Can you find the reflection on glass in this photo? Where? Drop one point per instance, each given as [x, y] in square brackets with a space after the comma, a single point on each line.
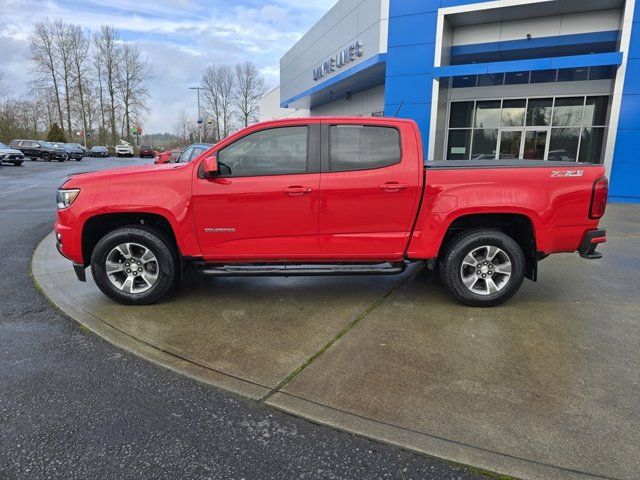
[595, 111]
[568, 112]
[535, 142]
[489, 79]
[459, 145]
[510, 144]
[465, 81]
[591, 145]
[539, 112]
[461, 115]
[487, 114]
[513, 113]
[516, 78]
[573, 74]
[564, 144]
[484, 144]
[543, 76]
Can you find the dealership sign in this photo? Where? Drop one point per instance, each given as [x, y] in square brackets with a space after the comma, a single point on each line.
[344, 57]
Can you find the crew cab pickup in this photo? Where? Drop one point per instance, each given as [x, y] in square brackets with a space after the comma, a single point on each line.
[328, 196]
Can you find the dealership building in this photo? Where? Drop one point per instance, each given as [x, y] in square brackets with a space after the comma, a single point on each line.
[538, 79]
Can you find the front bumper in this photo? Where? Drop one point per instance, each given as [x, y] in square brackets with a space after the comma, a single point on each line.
[12, 157]
[59, 156]
[590, 242]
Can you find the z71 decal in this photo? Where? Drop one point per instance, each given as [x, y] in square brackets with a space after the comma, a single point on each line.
[567, 173]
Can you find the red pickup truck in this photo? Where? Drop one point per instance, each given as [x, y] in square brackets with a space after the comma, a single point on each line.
[328, 196]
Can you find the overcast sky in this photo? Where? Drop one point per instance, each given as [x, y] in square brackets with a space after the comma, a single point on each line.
[179, 37]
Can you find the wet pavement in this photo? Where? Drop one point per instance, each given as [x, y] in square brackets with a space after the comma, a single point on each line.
[545, 386]
[75, 406]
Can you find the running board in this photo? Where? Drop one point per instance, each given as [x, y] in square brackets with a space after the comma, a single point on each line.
[291, 270]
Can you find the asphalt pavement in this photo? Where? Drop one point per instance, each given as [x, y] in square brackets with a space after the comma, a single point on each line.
[74, 406]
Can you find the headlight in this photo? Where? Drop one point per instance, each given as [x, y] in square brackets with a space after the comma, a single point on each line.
[66, 197]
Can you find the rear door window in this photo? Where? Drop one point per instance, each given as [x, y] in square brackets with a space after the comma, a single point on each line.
[363, 147]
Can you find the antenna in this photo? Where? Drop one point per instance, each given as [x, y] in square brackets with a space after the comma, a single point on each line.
[399, 108]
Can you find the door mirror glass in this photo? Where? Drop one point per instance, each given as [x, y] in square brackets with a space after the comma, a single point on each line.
[211, 166]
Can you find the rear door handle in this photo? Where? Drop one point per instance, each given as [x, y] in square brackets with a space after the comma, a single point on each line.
[393, 186]
[296, 190]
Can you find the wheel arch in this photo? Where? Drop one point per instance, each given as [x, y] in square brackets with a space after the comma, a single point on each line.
[518, 226]
[98, 226]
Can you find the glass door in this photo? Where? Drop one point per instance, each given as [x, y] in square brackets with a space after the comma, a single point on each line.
[536, 144]
[510, 144]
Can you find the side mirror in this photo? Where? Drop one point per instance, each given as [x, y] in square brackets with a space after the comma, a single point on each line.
[210, 166]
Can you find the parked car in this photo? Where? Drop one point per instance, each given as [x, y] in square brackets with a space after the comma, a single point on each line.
[329, 196]
[192, 152]
[168, 156]
[84, 149]
[124, 149]
[146, 151]
[10, 155]
[35, 149]
[98, 151]
[75, 152]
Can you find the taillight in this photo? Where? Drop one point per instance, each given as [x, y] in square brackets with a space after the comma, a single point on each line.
[599, 198]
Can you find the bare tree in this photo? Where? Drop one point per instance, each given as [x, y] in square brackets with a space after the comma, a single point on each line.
[218, 82]
[62, 33]
[43, 53]
[249, 89]
[133, 74]
[79, 48]
[108, 52]
[185, 129]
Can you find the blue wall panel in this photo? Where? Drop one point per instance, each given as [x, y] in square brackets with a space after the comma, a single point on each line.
[625, 173]
[410, 71]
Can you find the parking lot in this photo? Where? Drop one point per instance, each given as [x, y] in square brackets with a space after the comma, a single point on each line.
[73, 405]
[545, 386]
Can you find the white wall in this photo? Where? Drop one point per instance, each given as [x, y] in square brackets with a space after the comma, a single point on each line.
[270, 107]
[361, 104]
[347, 22]
[554, 25]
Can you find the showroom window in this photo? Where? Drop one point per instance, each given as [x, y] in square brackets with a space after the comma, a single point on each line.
[566, 129]
[277, 151]
[358, 147]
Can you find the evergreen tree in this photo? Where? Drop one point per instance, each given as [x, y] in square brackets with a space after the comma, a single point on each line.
[56, 134]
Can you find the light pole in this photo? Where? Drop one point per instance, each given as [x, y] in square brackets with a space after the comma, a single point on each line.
[199, 115]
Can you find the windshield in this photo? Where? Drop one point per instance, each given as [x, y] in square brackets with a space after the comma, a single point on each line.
[46, 144]
[2, 145]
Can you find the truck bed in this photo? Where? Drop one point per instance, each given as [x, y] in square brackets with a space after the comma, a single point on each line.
[513, 163]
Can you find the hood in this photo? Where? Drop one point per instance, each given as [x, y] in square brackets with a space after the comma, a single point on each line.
[113, 174]
[9, 151]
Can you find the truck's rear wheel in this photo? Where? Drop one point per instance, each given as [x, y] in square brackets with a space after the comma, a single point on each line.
[134, 265]
[482, 268]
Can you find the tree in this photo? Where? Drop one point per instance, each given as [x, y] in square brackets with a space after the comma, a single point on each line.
[218, 83]
[133, 74]
[56, 134]
[43, 53]
[108, 53]
[249, 89]
[79, 48]
[62, 44]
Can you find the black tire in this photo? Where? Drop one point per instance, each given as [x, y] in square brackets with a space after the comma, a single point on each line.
[151, 239]
[451, 267]
[46, 157]
[18, 163]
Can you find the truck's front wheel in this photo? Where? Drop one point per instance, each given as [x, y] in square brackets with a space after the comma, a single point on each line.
[134, 265]
[482, 268]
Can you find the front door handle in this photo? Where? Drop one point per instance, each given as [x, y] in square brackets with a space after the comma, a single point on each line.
[393, 186]
[296, 190]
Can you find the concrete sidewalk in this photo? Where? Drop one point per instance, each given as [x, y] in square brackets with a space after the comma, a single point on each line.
[546, 386]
